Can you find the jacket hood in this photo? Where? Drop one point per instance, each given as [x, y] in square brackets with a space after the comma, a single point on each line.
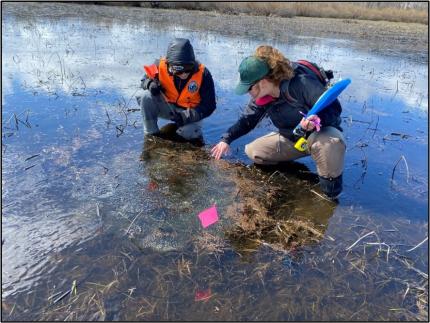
[180, 51]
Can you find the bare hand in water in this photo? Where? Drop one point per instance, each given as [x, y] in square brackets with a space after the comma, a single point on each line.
[220, 149]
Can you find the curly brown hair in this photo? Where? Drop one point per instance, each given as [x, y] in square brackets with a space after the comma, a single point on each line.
[280, 66]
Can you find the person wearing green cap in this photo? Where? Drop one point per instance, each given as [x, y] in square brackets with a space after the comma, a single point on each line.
[285, 92]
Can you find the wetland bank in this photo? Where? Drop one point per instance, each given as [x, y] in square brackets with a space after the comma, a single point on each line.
[87, 202]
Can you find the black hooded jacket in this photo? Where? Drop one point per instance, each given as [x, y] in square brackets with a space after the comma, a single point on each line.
[298, 94]
[180, 51]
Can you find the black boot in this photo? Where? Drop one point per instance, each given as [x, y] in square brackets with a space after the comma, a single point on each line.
[331, 187]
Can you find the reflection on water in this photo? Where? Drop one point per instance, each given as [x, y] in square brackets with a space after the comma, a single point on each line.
[85, 198]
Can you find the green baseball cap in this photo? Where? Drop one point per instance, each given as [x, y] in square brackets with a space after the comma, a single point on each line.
[251, 70]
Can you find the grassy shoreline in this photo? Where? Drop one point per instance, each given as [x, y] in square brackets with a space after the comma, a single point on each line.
[394, 36]
[410, 12]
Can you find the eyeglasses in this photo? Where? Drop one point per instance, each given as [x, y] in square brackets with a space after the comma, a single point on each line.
[176, 68]
[179, 69]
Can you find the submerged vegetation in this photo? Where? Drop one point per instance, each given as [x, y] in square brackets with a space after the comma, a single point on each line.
[264, 206]
[283, 245]
[100, 224]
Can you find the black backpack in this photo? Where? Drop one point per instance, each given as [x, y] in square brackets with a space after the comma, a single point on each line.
[305, 67]
[324, 76]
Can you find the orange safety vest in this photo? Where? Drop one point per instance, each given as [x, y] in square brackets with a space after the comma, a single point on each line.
[189, 97]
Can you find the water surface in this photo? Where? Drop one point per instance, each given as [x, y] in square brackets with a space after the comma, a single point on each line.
[75, 177]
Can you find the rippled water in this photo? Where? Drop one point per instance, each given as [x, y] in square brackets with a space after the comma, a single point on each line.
[74, 180]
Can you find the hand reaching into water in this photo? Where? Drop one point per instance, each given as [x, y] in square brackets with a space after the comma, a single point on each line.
[220, 149]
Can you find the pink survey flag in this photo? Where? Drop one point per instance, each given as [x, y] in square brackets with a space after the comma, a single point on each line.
[202, 295]
[208, 216]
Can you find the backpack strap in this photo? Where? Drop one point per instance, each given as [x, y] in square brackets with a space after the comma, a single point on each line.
[316, 71]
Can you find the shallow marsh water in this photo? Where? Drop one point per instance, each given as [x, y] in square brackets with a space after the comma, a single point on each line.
[85, 198]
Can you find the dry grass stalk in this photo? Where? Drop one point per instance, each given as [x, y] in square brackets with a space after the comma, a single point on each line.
[344, 10]
[184, 267]
[395, 166]
[418, 245]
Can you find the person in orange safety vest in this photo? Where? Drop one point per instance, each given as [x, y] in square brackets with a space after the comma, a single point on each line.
[177, 88]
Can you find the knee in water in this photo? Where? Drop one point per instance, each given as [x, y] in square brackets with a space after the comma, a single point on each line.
[331, 187]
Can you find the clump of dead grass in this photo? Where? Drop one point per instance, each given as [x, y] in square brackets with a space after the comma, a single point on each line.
[257, 220]
[210, 243]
